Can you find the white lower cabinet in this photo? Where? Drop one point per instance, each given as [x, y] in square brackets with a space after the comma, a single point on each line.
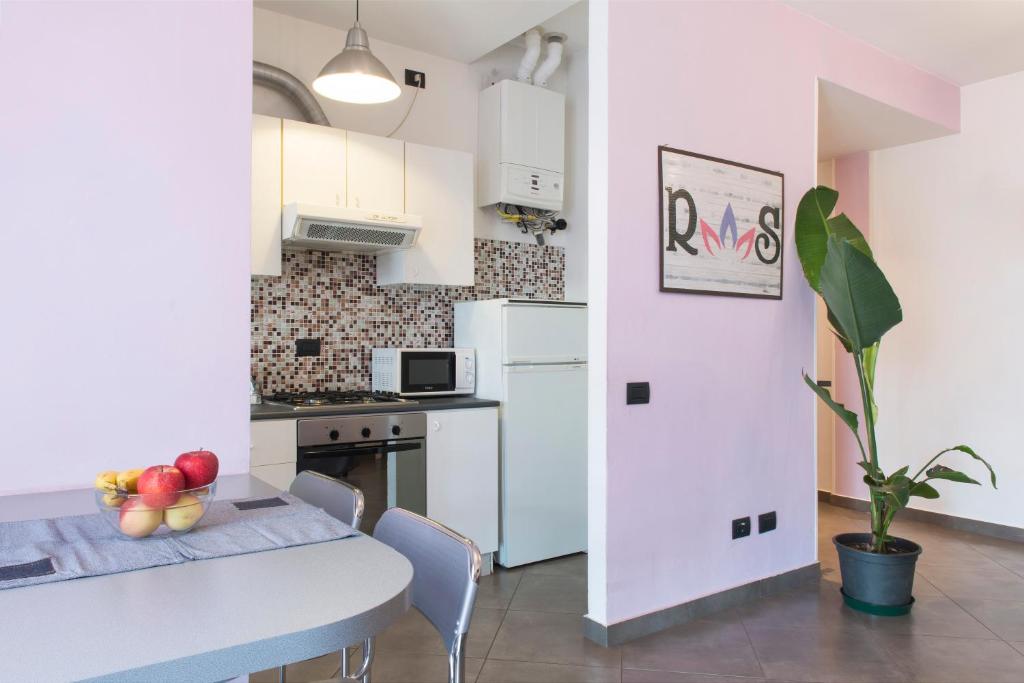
[272, 451]
[462, 473]
[280, 476]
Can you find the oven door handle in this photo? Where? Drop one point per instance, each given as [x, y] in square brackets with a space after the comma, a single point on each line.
[382, 449]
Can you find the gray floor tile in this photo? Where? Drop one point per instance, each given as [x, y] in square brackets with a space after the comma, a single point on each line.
[961, 582]
[933, 659]
[648, 676]
[933, 615]
[412, 668]
[495, 591]
[411, 635]
[1004, 617]
[551, 593]
[698, 647]
[570, 565]
[497, 671]
[551, 638]
[482, 630]
[1006, 553]
[1019, 646]
[825, 655]
[816, 606]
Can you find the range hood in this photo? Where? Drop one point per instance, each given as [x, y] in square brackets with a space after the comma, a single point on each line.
[329, 228]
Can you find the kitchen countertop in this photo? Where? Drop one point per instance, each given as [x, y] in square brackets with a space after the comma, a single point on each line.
[274, 411]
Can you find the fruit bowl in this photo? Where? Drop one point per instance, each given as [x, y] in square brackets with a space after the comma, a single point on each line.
[140, 515]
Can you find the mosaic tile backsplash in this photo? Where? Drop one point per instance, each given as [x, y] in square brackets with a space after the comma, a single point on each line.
[334, 297]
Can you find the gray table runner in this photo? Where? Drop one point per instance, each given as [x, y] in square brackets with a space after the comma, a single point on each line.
[46, 550]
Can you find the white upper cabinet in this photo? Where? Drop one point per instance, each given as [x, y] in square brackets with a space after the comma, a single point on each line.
[265, 232]
[313, 164]
[376, 173]
[320, 165]
[439, 188]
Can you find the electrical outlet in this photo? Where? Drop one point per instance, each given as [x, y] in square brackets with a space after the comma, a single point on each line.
[307, 347]
[638, 392]
[766, 522]
[417, 78]
[741, 527]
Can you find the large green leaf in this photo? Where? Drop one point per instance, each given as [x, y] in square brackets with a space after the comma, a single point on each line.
[811, 231]
[843, 228]
[858, 295]
[924, 490]
[949, 474]
[847, 416]
[970, 452]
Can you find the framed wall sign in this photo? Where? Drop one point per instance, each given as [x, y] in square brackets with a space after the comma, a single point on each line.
[721, 226]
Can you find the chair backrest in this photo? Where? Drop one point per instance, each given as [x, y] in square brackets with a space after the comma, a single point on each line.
[339, 499]
[446, 568]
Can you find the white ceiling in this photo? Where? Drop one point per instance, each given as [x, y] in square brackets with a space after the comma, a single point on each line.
[963, 41]
[463, 30]
[849, 122]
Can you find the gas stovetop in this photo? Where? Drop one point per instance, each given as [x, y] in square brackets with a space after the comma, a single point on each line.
[321, 399]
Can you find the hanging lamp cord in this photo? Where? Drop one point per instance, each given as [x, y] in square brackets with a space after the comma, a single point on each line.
[409, 110]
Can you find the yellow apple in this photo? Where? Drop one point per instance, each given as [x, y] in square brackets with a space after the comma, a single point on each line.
[183, 514]
[139, 520]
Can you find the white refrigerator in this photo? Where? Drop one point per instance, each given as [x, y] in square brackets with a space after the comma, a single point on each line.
[532, 356]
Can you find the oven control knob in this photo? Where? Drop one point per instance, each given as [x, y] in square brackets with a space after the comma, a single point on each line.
[366, 432]
[396, 430]
[334, 435]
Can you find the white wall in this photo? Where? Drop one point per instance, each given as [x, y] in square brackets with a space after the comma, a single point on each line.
[445, 113]
[124, 181]
[946, 227]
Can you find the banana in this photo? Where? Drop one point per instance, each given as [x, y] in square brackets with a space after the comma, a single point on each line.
[113, 500]
[106, 481]
[128, 480]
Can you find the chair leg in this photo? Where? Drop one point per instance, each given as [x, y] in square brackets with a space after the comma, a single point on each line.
[344, 663]
[457, 662]
[281, 673]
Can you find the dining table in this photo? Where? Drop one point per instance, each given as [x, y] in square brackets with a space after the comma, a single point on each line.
[203, 620]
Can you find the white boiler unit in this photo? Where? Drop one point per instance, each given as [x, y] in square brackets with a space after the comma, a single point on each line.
[521, 146]
[532, 356]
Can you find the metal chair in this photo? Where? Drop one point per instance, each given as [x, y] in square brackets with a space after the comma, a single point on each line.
[338, 498]
[345, 503]
[446, 569]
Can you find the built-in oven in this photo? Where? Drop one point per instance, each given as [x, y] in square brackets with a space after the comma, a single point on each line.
[424, 372]
[383, 455]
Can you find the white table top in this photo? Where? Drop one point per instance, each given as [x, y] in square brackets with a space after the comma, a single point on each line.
[208, 620]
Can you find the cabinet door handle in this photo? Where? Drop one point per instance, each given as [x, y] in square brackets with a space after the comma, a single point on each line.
[435, 426]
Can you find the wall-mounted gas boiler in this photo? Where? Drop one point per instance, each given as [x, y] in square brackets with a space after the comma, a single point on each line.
[521, 146]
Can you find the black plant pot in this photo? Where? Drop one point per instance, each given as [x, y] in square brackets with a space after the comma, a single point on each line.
[877, 583]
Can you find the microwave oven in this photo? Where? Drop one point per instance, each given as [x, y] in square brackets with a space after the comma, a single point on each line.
[424, 372]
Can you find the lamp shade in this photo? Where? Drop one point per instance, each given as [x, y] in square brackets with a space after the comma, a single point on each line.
[355, 75]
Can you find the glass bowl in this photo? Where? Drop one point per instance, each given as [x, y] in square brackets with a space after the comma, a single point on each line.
[140, 515]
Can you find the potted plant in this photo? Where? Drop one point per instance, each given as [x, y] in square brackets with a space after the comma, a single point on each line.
[877, 569]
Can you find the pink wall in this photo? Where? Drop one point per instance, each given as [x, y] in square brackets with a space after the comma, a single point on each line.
[124, 144]
[852, 182]
[729, 432]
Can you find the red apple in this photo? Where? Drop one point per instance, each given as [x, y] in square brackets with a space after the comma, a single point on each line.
[199, 467]
[160, 484]
[139, 520]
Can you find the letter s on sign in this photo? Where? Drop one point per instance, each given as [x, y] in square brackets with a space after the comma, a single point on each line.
[770, 236]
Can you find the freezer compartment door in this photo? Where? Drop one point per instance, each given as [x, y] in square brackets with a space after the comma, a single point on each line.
[543, 463]
[539, 333]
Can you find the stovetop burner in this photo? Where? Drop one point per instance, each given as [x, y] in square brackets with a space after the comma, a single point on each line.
[315, 399]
